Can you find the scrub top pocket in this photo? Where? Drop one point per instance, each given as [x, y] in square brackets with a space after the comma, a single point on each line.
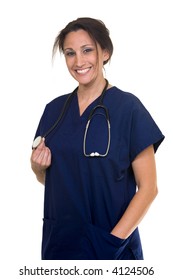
[101, 245]
[61, 242]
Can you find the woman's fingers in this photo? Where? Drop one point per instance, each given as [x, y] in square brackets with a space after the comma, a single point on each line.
[41, 156]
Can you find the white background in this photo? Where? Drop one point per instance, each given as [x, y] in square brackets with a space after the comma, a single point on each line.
[141, 32]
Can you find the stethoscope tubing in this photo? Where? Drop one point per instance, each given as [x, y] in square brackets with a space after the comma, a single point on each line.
[91, 115]
[62, 114]
[38, 139]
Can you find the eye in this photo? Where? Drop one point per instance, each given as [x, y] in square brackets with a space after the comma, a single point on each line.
[87, 50]
[69, 53]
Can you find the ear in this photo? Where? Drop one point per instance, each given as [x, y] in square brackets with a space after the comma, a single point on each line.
[105, 56]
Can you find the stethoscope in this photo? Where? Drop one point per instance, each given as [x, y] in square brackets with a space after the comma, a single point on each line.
[100, 105]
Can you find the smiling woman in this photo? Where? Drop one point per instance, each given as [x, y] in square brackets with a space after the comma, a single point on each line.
[98, 162]
[85, 59]
[83, 55]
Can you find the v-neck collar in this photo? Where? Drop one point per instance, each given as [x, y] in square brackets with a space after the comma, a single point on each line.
[88, 108]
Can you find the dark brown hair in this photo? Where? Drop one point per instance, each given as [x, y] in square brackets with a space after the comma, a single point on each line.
[94, 27]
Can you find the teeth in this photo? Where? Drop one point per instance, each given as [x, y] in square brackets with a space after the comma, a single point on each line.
[82, 71]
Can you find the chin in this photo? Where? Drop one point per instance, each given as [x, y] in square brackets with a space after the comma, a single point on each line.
[83, 80]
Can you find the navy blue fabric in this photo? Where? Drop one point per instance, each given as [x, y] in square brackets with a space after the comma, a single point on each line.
[86, 197]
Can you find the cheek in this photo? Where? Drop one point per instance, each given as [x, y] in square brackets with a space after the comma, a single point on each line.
[94, 60]
[67, 63]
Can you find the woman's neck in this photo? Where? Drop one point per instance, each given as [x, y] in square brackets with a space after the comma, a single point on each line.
[90, 92]
[87, 94]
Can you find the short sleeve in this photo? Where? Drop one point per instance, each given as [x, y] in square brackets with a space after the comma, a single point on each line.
[144, 131]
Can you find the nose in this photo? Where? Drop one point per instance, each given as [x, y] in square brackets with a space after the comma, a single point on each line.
[79, 60]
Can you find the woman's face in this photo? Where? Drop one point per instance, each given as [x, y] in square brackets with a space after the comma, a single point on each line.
[83, 58]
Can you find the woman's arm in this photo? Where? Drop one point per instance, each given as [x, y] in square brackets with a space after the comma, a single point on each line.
[144, 168]
[40, 161]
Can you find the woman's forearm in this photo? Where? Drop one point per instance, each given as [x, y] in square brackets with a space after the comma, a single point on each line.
[145, 175]
[134, 213]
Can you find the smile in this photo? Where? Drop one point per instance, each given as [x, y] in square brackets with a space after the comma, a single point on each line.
[83, 71]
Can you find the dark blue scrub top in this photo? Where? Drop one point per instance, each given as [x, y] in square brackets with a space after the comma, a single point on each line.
[86, 197]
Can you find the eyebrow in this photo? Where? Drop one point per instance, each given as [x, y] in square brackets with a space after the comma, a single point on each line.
[83, 46]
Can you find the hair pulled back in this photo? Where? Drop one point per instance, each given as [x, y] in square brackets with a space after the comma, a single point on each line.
[94, 27]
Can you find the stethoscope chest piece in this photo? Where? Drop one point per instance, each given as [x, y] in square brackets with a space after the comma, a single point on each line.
[36, 142]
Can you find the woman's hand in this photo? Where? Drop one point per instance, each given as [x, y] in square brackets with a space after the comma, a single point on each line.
[40, 161]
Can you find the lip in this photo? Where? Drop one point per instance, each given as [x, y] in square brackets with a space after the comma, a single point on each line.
[83, 71]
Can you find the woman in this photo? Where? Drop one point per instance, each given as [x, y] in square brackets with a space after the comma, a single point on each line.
[101, 179]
